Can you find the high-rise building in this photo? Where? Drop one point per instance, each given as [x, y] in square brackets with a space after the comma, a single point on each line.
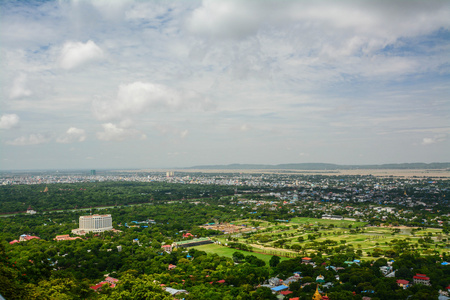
[94, 223]
[93, 172]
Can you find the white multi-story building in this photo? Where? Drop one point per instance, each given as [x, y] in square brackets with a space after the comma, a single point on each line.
[94, 223]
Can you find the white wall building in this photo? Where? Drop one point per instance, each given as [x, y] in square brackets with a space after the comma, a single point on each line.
[94, 223]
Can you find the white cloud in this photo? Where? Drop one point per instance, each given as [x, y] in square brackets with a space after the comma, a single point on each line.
[19, 88]
[140, 97]
[169, 130]
[112, 132]
[74, 54]
[32, 139]
[226, 19]
[8, 121]
[72, 135]
[435, 139]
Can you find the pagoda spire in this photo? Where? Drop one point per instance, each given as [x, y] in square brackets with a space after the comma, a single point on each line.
[317, 295]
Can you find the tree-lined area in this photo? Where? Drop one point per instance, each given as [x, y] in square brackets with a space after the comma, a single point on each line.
[264, 237]
[64, 196]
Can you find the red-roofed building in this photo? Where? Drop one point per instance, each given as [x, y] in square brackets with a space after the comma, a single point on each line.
[98, 286]
[167, 248]
[26, 237]
[296, 298]
[112, 281]
[402, 283]
[109, 281]
[221, 281]
[306, 260]
[65, 237]
[285, 293]
[13, 242]
[421, 279]
[171, 267]
[186, 235]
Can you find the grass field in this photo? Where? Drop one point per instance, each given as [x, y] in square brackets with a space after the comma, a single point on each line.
[336, 223]
[228, 252]
[315, 231]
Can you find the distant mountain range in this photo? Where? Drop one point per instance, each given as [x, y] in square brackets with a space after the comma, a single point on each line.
[322, 166]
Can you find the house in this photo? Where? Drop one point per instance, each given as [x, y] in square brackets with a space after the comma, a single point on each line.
[13, 242]
[421, 279]
[109, 281]
[167, 248]
[275, 281]
[112, 281]
[174, 292]
[65, 237]
[306, 260]
[26, 237]
[171, 267]
[187, 235]
[402, 283]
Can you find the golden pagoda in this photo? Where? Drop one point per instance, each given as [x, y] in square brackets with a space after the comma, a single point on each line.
[317, 295]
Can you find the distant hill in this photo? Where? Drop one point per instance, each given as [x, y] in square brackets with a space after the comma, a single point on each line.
[322, 166]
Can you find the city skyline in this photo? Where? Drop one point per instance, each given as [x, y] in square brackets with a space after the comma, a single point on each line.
[172, 84]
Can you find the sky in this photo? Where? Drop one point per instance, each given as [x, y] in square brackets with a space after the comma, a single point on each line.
[166, 84]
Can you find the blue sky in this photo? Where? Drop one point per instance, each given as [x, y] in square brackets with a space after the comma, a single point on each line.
[156, 84]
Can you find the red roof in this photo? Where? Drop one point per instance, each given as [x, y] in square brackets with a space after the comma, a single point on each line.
[221, 281]
[421, 277]
[402, 281]
[99, 285]
[13, 242]
[296, 298]
[285, 292]
[306, 258]
[448, 288]
[111, 280]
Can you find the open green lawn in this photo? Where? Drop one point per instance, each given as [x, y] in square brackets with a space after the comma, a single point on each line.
[228, 252]
[336, 223]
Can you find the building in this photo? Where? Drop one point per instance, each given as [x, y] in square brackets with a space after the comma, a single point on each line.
[65, 237]
[112, 282]
[30, 211]
[317, 295]
[306, 260]
[94, 223]
[421, 279]
[320, 279]
[175, 292]
[402, 283]
[167, 248]
[26, 237]
[93, 172]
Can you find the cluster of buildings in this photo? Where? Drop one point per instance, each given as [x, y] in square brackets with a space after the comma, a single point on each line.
[24, 238]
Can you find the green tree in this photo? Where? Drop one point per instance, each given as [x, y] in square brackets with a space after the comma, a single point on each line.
[137, 288]
[274, 261]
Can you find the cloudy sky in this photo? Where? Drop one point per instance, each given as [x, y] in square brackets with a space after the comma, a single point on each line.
[152, 84]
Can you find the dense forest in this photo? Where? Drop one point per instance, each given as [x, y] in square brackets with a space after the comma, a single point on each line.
[17, 198]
